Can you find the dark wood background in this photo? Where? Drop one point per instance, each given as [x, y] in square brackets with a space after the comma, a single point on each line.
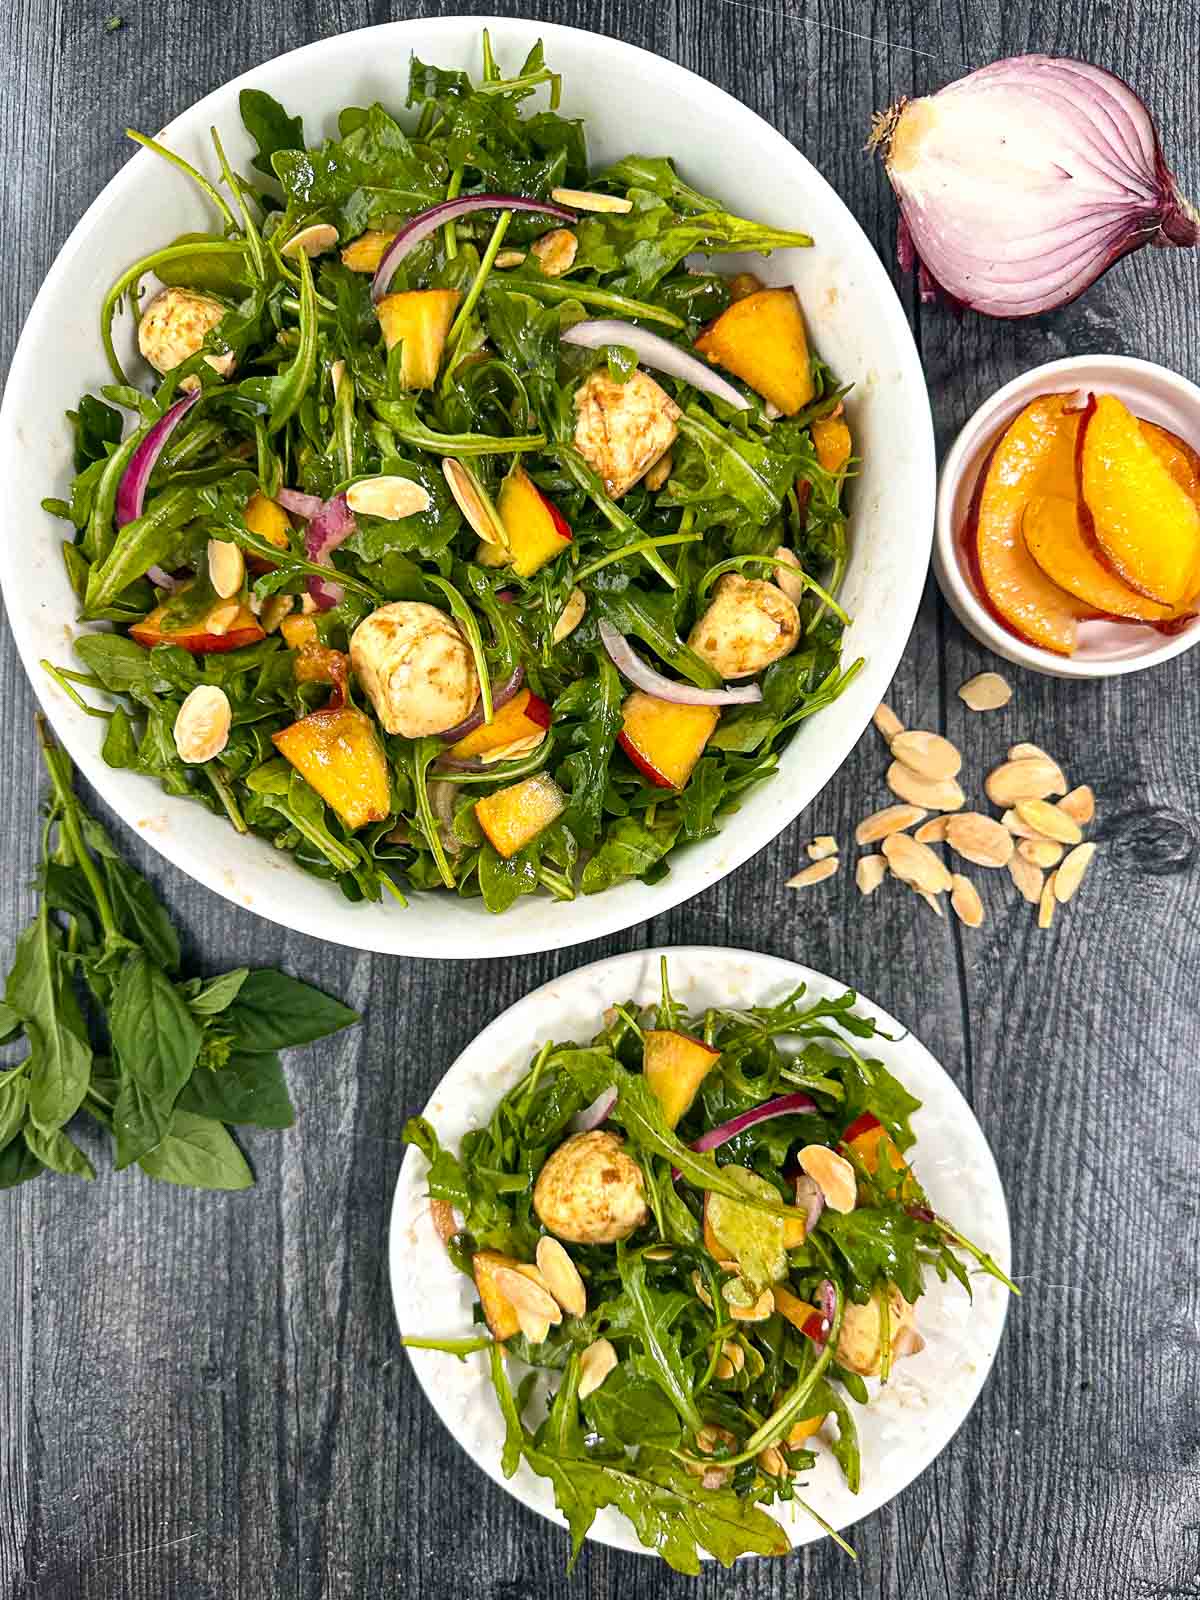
[204, 1398]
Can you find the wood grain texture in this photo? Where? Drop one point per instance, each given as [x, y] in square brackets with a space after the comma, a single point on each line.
[204, 1397]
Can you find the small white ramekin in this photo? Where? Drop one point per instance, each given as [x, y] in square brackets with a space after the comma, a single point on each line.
[1105, 649]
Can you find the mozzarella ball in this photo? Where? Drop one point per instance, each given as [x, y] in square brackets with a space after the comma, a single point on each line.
[860, 1346]
[173, 327]
[749, 624]
[589, 1191]
[416, 668]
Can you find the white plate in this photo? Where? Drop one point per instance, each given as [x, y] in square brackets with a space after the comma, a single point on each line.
[914, 1416]
[631, 100]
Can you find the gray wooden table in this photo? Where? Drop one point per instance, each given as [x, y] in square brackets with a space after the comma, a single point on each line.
[204, 1397]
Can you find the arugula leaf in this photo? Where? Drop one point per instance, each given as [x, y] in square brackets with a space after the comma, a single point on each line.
[269, 125]
[630, 849]
[655, 1315]
[373, 172]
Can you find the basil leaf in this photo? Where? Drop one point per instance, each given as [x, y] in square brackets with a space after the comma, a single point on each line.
[61, 1056]
[55, 1150]
[10, 1022]
[141, 914]
[197, 1153]
[120, 744]
[249, 1090]
[273, 1011]
[154, 1034]
[14, 1097]
[212, 997]
[18, 1164]
[139, 1122]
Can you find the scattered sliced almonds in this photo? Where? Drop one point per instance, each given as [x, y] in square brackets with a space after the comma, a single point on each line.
[892, 819]
[570, 616]
[1049, 821]
[986, 691]
[595, 1364]
[588, 200]
[390, 498]
[1017, 828]
[561, 1276]
[1042, 852]
[314, 240]
[226, 568]
[932, 901]
[1032, 778]
[1046, 903]
[935, 794]
[822, 847]
[965, 901]
[1070, 875]
[1080, 804]
[915, 863]
[886, 720]
[659, 472]
[817, 873]
[832, 1174]
[869, 873]
[762, 1308]
[927, 754]
[507, 259]
[1027, 878]
[525, 1295]
[202, 724]
[556, 251]
[731, 1360]
[979, 839]
[933, 831]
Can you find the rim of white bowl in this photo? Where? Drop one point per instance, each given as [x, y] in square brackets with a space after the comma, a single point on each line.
[407, 933]
[985, 424]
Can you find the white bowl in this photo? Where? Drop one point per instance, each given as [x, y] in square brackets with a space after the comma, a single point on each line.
[631, 100]
[1105, 649]
[910, 1420]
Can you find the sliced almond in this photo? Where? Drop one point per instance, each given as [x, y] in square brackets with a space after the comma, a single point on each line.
[1028, 752]
[1017, 828]
[1049, 821]
[701, 1289]
[562, 1276]
[1027, 878]
[393, 499]
[731, 1360]
[884, 718]
[1046, 902]
[932, 901]
[474, 502]
[892, 819]
[507, 259]
[660, 1252]
[817, 873]
[556, 251]
[933, 831]
[762, 1308]
[221, 618]
[869, 873]
[535, 1329]
[822, 847]
[515, 749]
[1042, 852]
[524, 1295]
[788, 574]
[1080, 804]
[915, 863]
[965, 901]
[595, 1364]
[337, 371]
[202, 724]
[1070, 875]
[771, 1462]
[927, 754]
[935, 794]
[659, 472]
[226, 567]
[275, 608]
[570, 616]
[986, 691]
[832, 1174]
[979, 839]
[1032, 778]
[587, 200]
[314, 240]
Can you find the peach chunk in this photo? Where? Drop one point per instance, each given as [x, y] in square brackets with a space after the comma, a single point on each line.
[525, 714]
[664, 740]
[1139, 521]
[675, 1065]
[1052, 533]
[761, 340]
[512, 817]
[234, 623]
[831, 440]
[419, 320]
[537, 531]
[804, 1318]
[337, 752]
[498, 1312]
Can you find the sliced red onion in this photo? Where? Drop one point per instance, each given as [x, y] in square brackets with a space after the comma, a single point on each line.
[164, 580]
[784, 1105]
[598, 1112]
[307, 506]
[810, 1200]
[626, 659]
[1020, 184]
[427, 222]
[441, 803]
[502, 693]
[827, 1295]
[333, 524]
[131, 491]
[656, 352]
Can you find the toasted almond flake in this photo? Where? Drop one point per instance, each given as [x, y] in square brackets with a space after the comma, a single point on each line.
[393, 499]
[1080, 804]
[935, 794]
[561, 1275]
[570, 616]
[202, 724]
[506, 259]
[1028, 752]
[535, 1329]
[515, 749]
[556, 251]
[932, 901]
[226, 568]
[1070, 875]
[445, 1223]
[659, 1252]
[524, 1295]
[275, 608]
[595, 1364]
[1046, 903]
[314, 240]
[1049, 821]
[869, 873]
[817, 873]
[762, 1308]
[979, 839]
[892, 819]
[1033, 778]
[915, 863]
[659, 472]
[1042, 852]
[884, 718]
[772, 1463]
[1027, 878]
[587, 200]
[788, 574]
[822, 847]
[986, 691]
[927, 754]
[732, 1356]
[337, 371]
[965, 901]
[933, 831]
[832, 1174]
[221, 618]
[702, 1293]
[471, 499]
[1017, 828]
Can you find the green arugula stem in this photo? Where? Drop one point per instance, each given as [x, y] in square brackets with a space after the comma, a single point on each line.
[984, 1260]
[450, 229]
[638, 547]
[190, 171]
[465, 618]
[61, 677]
[249, 232]
[590, 483]
[59, 768]
[595, 300]
[454, 338]
[133, 274]
[461, 1348]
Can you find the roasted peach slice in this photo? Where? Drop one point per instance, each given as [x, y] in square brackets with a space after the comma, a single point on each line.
[870, 1141]
[831, 441]
[227, 625]
[537, 531]
[664, 740]
[512, 817]
[1050, 525]
[499, 1313]
[524, 715]
[337, 752]
[804, 1318]
[419, 320]
[761, 340]
[1141, 524]
[675, 1065]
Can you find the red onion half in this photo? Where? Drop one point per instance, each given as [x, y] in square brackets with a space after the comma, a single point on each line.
[429, 221]
[131, 491]
[784, 1105]
[656, 352]
[597, 1113]
[304, 505]
[1020, 184]
[332, 524]
[626, 659]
